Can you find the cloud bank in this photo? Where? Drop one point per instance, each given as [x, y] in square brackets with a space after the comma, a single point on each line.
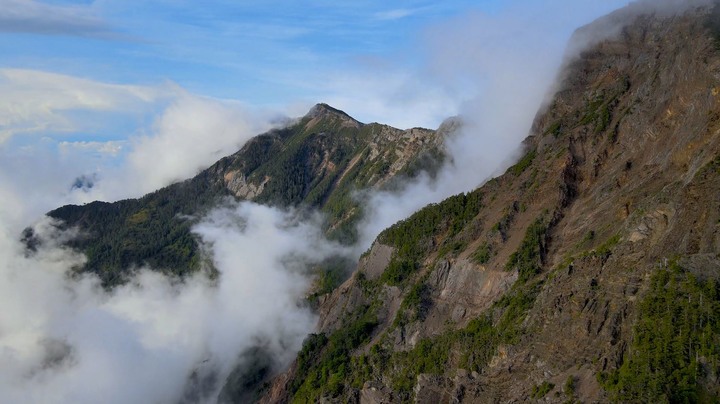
[65, 340]
[192, 133]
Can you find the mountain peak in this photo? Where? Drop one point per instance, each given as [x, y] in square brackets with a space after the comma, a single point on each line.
[322, 110]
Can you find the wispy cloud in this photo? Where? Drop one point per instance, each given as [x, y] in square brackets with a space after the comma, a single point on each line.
[396, 14]
[109, 148]
[35, 17]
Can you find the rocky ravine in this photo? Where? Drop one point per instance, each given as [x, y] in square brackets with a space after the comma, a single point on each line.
[587, 272]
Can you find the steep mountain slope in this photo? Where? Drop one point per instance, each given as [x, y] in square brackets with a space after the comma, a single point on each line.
[589, 271]
[317, 162]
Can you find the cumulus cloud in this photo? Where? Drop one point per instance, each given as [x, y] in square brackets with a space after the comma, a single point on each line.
[43, 172]
[66, 340]
[36, 17]
[396, 97]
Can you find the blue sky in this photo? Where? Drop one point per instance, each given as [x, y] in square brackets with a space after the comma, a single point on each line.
[96, 88]
[258, 51]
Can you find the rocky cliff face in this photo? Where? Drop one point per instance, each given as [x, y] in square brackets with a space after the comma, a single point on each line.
[317, 162]
[588, 271]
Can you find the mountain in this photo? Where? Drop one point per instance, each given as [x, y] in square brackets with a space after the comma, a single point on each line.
[317, 162]
[588, 272]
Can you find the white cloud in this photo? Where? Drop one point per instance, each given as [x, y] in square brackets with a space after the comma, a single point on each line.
[37, 102]
[169, 135]
[192, 133]
[393, 96]
[42, 173]
[111, 147]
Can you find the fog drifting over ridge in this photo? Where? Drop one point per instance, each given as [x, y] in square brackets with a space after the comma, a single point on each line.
[69, 341]
[66, 340]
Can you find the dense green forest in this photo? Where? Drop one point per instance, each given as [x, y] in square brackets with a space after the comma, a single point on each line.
[676, 342]
[153, 230]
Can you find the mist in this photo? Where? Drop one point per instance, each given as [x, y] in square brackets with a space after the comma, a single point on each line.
[509, 63]
[67, 340]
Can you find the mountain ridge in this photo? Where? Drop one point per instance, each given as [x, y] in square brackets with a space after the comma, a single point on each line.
[317, 162]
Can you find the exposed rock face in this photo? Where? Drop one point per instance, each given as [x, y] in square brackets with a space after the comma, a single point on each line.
[537, 290]
[464, 291]
[236, 183]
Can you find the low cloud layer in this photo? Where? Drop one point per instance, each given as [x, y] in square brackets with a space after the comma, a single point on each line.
[67, 340]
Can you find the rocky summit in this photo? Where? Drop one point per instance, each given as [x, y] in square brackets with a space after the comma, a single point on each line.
[588, 272]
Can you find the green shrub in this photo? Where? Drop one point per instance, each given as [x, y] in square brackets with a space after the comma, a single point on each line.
[528, 257]
[415, 304]
[413, 237]
[555, 129]
[569, 387]
[324, 363]
[539, 391]
[482, 254]
[524, 163]
[398, 271]
[605, 249]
